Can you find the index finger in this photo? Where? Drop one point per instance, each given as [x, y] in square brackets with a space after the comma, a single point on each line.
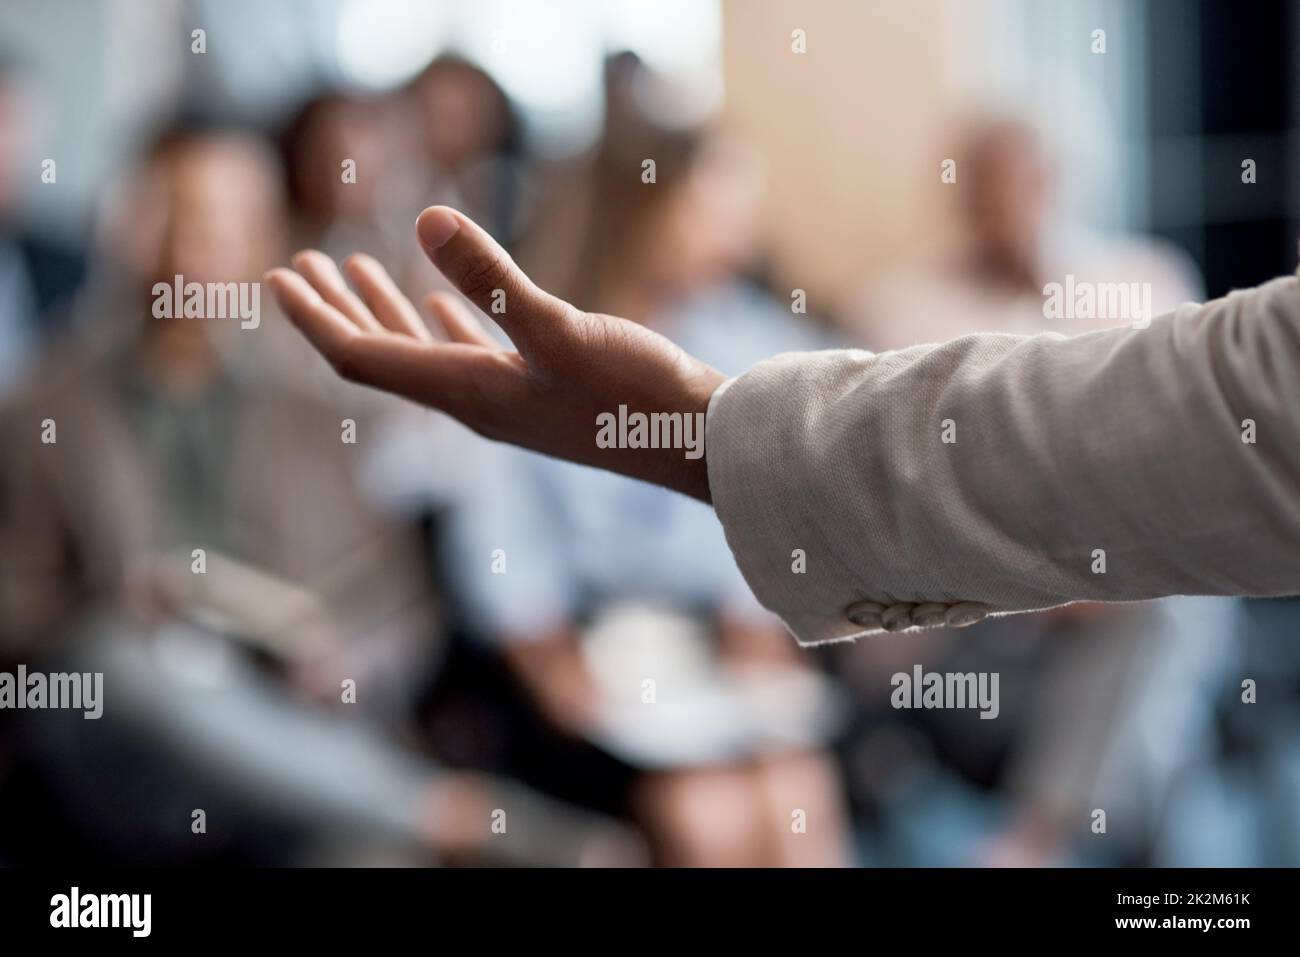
[325, 327]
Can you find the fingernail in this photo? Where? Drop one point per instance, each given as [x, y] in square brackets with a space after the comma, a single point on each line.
[435, 226]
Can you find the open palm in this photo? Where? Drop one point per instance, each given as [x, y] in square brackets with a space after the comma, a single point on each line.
[570, 366]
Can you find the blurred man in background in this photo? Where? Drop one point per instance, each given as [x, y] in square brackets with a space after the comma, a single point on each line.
[187, 450]
[168, 536]
[1015, 790]
[1011, 244]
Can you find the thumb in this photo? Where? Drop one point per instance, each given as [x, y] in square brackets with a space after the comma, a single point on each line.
[475, 263]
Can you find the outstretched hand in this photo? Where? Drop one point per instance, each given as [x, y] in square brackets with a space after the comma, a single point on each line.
[570, 368]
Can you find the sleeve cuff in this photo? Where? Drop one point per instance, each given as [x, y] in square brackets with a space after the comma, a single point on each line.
[757, 457]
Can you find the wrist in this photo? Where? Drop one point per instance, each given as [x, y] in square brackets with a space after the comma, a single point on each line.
[694, 477]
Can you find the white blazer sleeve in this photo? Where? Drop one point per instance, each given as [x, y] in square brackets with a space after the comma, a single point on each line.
[996, 474]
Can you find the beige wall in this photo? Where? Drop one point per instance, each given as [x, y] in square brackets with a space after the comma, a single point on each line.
[853, 130]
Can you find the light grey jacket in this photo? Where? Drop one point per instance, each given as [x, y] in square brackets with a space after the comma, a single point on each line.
[996, 474]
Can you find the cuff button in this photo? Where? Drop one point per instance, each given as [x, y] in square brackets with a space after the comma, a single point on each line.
[897, 617]
[864, 614]
[965, 613]
[931, 614]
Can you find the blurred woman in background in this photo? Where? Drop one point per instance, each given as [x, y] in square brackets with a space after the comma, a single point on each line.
[664, 691]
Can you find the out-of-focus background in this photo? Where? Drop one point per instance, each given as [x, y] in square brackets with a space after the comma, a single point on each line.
[336, 629]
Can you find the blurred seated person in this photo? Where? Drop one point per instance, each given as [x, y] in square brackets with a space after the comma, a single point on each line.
[165, 444]
[352, 176]
[347, 171]
[189, 724]
[1008, 251]
[941, 787]
[665, 692]
[37, 277]
[1062, 687]
[470, 142]
[355, 166]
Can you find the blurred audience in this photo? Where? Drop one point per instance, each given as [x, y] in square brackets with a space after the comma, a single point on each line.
[550, 665]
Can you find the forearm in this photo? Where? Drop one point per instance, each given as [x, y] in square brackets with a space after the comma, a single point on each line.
[1004, 470]
[921, 487]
